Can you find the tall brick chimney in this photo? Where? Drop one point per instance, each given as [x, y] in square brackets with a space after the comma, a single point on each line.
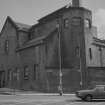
[76, 3]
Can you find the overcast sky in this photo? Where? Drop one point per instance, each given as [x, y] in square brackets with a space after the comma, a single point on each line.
[29, 11]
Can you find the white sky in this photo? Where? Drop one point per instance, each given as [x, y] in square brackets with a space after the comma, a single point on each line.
[29, 11]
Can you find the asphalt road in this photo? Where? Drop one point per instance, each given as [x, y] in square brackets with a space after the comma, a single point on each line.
[45, 100]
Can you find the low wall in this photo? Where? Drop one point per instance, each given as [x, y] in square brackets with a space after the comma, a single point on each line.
[96, 76]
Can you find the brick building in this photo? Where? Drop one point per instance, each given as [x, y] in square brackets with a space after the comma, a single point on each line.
[62, 47]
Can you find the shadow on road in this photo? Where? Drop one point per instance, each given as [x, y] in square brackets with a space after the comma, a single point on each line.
[103, 100]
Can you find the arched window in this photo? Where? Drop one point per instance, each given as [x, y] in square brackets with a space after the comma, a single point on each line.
[66, 23]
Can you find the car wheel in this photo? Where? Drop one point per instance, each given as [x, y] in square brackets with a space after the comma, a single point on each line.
[83, 99]
[88, 98]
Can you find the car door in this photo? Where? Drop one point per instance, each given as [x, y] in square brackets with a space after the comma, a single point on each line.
[103, 93]
[98, 93]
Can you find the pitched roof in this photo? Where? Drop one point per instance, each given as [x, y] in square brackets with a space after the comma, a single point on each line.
[59, 12]
[23, 27]
[18, 26]
[36, 41]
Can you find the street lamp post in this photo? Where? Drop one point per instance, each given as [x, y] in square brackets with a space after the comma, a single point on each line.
[60, 61]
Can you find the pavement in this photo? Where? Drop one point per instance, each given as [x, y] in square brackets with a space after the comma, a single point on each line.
[8, 91]
[21, 97]
[45, 100]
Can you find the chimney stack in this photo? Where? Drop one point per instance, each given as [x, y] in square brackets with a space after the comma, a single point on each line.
[76, 3]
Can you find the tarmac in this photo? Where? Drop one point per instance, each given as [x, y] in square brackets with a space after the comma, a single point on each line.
[8, 91]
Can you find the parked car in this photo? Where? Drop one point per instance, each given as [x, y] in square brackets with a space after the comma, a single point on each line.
[96, 93]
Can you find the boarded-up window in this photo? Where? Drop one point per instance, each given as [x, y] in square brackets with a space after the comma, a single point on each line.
[76, 21]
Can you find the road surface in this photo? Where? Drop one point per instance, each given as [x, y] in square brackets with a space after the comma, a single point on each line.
[33, 99]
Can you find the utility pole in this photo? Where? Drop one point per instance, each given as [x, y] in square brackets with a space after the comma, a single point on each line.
[60, 60]
[80, 66]
[81, 81]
